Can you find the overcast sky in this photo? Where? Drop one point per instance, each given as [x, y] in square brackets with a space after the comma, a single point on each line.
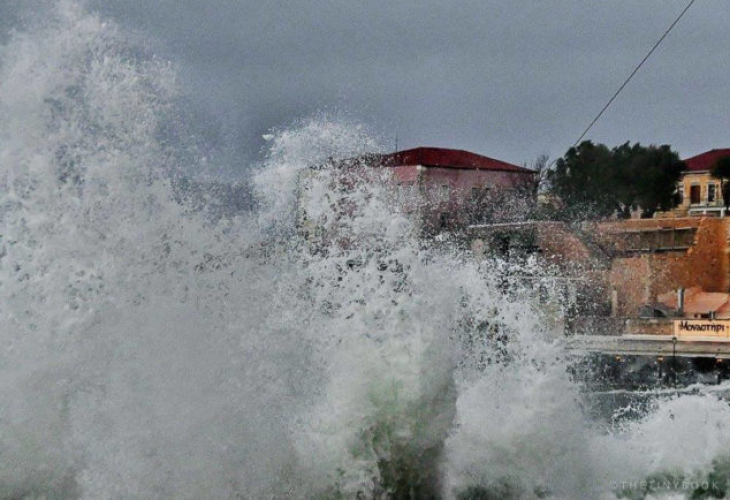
[509, 79]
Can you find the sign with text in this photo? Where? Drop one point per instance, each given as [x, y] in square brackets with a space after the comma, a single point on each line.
[702, 328]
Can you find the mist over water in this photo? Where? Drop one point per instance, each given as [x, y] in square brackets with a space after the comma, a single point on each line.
[149, 350]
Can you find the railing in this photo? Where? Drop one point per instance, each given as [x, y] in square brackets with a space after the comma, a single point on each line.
[613, 326]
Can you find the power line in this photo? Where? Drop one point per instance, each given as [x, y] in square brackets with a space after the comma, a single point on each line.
[626, 82]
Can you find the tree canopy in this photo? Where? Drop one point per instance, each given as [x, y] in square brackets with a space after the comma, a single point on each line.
[594, 181]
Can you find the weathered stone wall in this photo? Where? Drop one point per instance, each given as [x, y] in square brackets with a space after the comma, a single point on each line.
[631, 278]
[560, 244]
[649, 326]
[640, 278]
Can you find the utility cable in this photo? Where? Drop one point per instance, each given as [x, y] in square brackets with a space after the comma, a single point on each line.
[626, 82]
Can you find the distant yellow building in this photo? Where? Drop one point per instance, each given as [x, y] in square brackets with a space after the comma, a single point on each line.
[699, 192]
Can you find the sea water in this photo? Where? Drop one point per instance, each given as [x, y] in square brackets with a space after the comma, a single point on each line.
[150, 348]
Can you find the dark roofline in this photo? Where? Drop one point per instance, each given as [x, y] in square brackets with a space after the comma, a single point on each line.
[432, 157]
[704, 162]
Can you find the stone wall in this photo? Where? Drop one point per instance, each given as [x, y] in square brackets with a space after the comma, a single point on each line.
[640, 277]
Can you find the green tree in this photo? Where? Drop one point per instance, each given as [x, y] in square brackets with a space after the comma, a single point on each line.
[577, 178]
[595, 182]
[721, 170]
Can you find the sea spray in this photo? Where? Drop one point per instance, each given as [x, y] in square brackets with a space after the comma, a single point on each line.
[124, 354]
[151, 351]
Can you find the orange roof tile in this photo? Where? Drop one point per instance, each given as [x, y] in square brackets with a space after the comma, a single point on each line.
[705, 302]
[696, 301]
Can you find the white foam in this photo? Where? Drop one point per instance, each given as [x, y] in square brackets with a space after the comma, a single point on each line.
[146, 352]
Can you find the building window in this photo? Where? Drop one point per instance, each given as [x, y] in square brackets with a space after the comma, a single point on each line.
[695, 194]
[445, 191]
[474, 193]
[680, 194]
[711, 193]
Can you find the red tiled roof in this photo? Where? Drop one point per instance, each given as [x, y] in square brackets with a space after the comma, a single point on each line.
[705, 161]
[449, 158]
[697, 301]
[705, 302]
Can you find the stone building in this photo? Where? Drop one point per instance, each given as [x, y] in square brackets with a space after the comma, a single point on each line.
[449, 189]
[699, 192]
[651, 258]
[440, 190]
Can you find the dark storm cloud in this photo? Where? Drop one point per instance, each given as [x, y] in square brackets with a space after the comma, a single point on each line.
[510, 79]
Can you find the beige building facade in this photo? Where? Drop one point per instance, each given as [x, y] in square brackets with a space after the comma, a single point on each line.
[700, 194]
